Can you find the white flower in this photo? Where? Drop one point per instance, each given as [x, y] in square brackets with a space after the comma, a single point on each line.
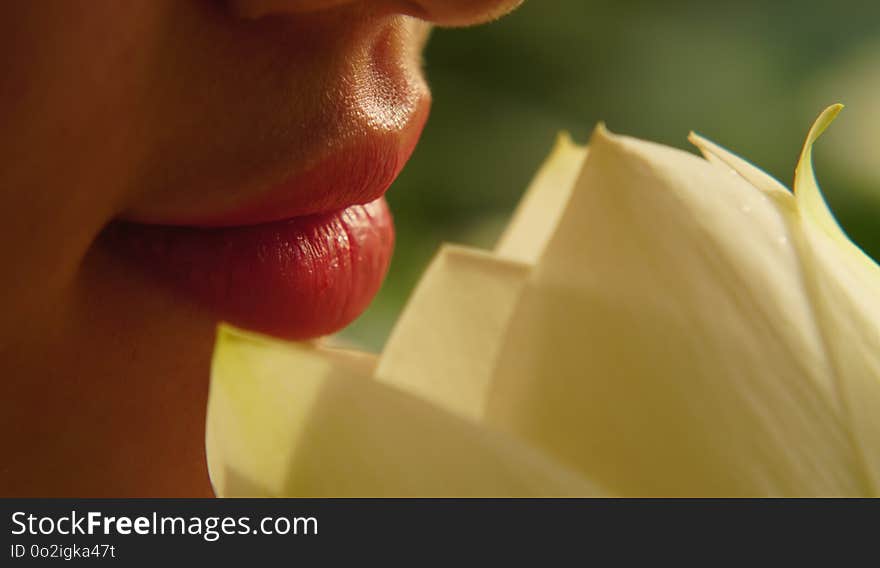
[652, 323]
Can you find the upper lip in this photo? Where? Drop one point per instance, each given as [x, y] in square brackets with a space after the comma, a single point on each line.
[354, 174]
[350, 128]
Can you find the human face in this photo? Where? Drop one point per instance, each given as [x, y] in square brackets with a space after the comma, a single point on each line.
[131, 127]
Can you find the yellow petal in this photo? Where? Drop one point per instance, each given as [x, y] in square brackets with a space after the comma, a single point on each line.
[755, 176]
[665, 342]
[539, 211]
[845, 287]
[444, 345]
[809, 198]
[290, 420]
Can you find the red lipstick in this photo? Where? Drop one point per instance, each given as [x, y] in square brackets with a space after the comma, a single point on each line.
[300, 260]
[296, 279]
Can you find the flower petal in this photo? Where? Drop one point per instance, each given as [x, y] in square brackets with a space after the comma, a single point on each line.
[755, 176]
[290, 420]
[810, 202]
[665, 343]
[845, 286]
[539, 211]
[444, 345]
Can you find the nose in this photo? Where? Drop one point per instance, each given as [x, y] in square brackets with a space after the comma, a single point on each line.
[440, 12]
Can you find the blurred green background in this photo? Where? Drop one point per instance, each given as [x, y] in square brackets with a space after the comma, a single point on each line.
[750, 75]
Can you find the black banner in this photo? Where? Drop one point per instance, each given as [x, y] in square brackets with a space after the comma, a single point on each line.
[132, 532]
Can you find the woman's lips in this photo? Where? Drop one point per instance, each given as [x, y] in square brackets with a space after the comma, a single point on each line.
[296, 279]
[301, 255]
[300, 260]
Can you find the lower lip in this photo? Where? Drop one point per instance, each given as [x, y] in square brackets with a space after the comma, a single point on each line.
[295, 279]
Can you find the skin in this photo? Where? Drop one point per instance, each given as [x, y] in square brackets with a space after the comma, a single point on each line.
[151, 110]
